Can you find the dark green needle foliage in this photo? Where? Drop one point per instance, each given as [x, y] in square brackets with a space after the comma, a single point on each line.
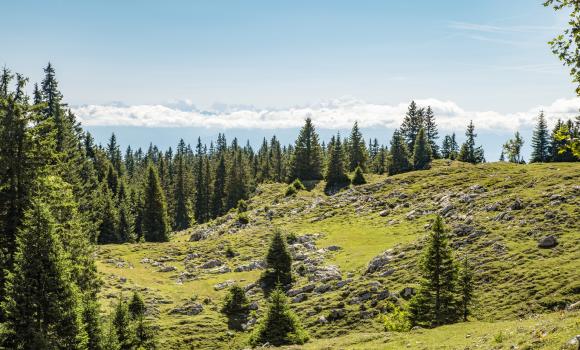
[358, 177]
[422, 153]
[280, 326]
[155, 222]
[278, 263]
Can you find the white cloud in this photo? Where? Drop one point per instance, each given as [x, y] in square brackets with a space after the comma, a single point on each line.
[333, 114]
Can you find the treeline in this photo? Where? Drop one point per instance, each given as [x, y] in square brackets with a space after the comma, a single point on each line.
[51, 211]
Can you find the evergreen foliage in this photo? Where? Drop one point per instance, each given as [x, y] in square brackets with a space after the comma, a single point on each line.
[398, 160]
[335, 173]
[540, 141]
[235, 302]
[42, 305]
[280, 326]
[468, 152]
[449, 149]
[466, 288]
[357, 155]
[412, 123]
[422, 153]
[278, 263]
[436, 301]
[306, 162]
[513, 148]
[155, 223]
[358, 177]
[431, 132]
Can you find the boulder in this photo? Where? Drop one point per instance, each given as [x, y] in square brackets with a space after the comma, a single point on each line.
[504, 216]
[548, 242]
[224, 285]
[167, 268]
[325, 274]
[306, 289]
[384, 213]
[572, 344]
[333, 248]
[211, 264]
[189, 309]
[254, 265]
[463, 230]
[517, 205]
[445, 210]
[299, 298]
[407, 292]
[477, 188]
[574, 306]
[378, 262]
[492, 207]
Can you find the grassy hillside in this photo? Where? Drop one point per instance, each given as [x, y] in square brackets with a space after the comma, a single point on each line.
[497, 214]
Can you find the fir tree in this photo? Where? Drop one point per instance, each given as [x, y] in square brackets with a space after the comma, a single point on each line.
[411, 125]
[154, 222]
[435, 303]
[358, 177]
[181, 219]
[136, 306]
[306, 163]
[431, 131]
[235, 302]
[278, 263]
[108, 219]
[42, 306]
[468, 152]
[422, 153]
[335, 174]
[540, 142]
[449, 149]
[122, 324]
[357, 155]
[513, 148]
[219, 185]
[398, 160]
[280, 325]
[236, 182]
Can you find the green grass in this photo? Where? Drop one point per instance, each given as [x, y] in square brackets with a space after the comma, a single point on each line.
[515, 279]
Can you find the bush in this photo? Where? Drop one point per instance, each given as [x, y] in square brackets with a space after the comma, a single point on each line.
[290, 191]
[358, 178]
[243, 218]
[298, 185]
[235, 302]
[242, 206]
[230, 253]
[291, 238]
[397, 321]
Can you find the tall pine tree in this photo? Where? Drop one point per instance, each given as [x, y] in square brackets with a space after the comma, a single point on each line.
[398, 160]
[335, 175]
[155, 223]
[306, 163]
[540, 141]
[357, 152]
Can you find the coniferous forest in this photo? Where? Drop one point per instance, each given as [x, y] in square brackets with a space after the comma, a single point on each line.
[231, 245]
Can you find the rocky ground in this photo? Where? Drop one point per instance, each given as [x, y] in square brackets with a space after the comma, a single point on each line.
[355, 252]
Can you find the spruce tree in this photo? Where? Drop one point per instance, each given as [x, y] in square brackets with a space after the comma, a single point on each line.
[109, 218]
[357, 155]
[136, 306]
[335, 174]
[219, 186]
[398, 160]
[122, 324]
[236, 181]
[154, 221]
[306, 162]
[358, 178]
[181, 219]
[411, 125]
[468, 152]
[540, 141]
[278, 263]
[431, 132]
[435, 303]
[422, 153]
[42, 307]
[280, 325]
[513, 148]
[449, 149]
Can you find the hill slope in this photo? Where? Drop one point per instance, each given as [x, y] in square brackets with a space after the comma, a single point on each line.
[358, 249]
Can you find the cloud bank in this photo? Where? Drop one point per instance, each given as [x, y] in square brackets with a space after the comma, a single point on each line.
[333, 114]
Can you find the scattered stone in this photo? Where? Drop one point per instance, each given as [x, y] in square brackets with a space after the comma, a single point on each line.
[407, 292]
[189, 310]
[224, 285]
[573, 344]
[336, 314]
[574, 306]
[190, 256]
[211, 264]
[504, 216]
[447, 209]
[199, 235]
[220, 270]
[477, 188]
[306, 289]
[322, 320]
[254, 265]
[550, 215]
[167, 268]
[387, 273]
[379, 261]
[463, 230]
[343, 283]
[299, 298]
[517, 205]
[548, 242]
[384, 213]
[492, 207]
[333, 248]
[323, 288]
[325, 274]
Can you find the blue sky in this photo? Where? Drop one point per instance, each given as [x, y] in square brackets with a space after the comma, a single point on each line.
[219, 57]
